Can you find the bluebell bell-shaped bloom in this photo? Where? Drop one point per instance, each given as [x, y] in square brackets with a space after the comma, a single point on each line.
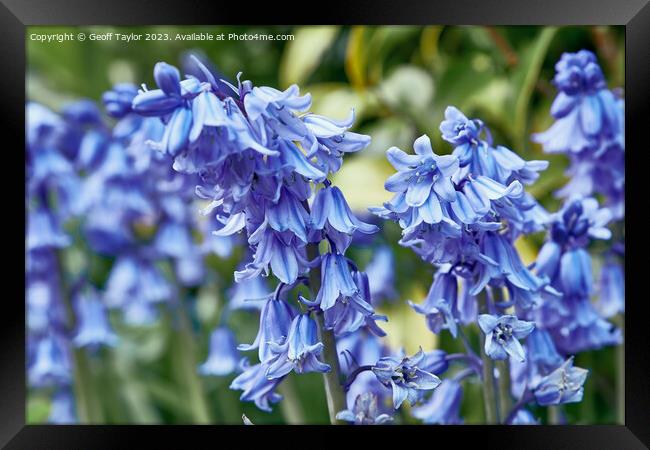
[93, 328]
[563, 385]
[278, 108]
[358, 349]
[298, 352]
[44, 231]
[435, 362]
[44, 305]
[443, 408]
[405, 377]
[275, 322]
[381, 274]
[424, 177]
[118, 100]
[364, 412]
[50, 365]
[502, 335]
[331, 140]
[466, 310]
[288, 214]
[479, 157]
[337, 285]
[174, 239]
[573, 320]
[347, 316]
[524, 417]
[62, 410]
[283, 252]
[256, 386]
[330, 211]
[585, 110]
[523, 285]
[135, 280]
[248, 294]
[439, 303]
[223, 358]
[542, 351]
[611, 289]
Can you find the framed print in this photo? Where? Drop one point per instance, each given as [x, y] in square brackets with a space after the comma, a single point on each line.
[402, 214]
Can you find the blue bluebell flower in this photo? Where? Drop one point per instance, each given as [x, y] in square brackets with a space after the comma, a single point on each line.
[502, 335]
[50, 363]
[364, 412]
[118, 100]
[62, 410]
[611, 289]
[93, 328]
[590, 127]
[299, 351]
[337, 284]
[542, 351]
[329, 211]
[443, 408]
[223, 358]
[405, 378]
[439, 304]
[248, 294]
[480, 157]
[347, 317]
[256, 386]
[362, 348]
[584, 108]
[136, 285]
[423, 177]
[572, 319]
[524, 417]
[275, 321]
[381, 275]
[524, 286]
[563, 385]
[45, 231]
[331, 140]
[435, 362]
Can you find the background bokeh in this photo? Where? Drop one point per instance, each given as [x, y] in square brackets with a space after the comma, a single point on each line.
[398, 79]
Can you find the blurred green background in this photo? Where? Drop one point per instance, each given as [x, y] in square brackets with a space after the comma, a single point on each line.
[399, 80]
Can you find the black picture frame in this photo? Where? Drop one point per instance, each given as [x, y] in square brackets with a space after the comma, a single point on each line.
[15, 15]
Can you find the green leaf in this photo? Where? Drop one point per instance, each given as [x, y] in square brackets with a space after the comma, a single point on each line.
[38, 409]
[523, 82]
[303, 55]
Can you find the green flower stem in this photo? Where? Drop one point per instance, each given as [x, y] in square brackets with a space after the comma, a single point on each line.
[186, 356]
[505, 398]
[332, 379]
[489, 392]
[620, 372]
[555, 415]
[89, 408]
[291, 407]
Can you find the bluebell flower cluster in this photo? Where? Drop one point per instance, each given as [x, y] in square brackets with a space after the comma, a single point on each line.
[590, 128]
[462, 213]
[572, 319]
[262, 162]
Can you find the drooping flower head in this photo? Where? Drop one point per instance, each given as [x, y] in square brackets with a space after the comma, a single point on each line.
[563, 385]
[223, 358]
[299, 351]
[364, 412]
[405, 378]
[502, 336]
